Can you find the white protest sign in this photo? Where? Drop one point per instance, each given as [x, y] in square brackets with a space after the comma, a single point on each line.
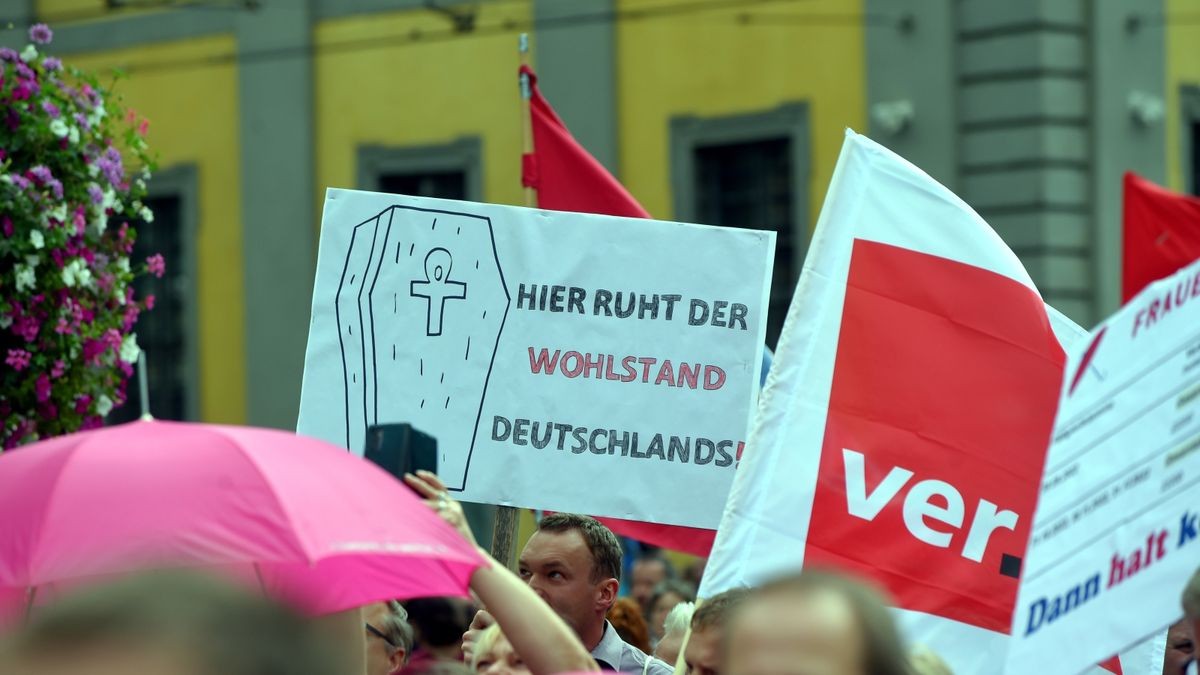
[1115, 536]
[564, 361]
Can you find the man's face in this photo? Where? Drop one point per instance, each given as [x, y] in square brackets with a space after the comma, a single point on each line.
[812, 633]
[382, 658]
[646, 575]
[1180, 648]
[703, 652]
[558, 567]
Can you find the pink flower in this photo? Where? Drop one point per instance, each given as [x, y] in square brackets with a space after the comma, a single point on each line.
[82, 403]
[156, 265]
[58, 369]
[143, 127]
[41, 33]
[18, 359]
[63, 326]
[3, 154]
[42, 388]
[150, 301]
[8, 226]
[51, 64]
[27, 327]
[92, 349]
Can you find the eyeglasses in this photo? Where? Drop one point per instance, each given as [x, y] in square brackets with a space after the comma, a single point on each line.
[379, 634]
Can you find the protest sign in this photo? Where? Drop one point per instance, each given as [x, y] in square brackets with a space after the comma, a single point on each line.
[903, 426]
[564, 361]
[1116, 534]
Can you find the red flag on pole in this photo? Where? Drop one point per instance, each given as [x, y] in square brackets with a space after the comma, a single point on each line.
[568, 178]
[1162, 233]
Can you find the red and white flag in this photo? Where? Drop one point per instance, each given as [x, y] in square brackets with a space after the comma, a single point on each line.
[904, 425]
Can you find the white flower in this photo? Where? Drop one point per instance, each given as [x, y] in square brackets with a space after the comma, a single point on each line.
[104, 405]
[32, 260]
[59, 128]
[59, 213]
[123, 264]
[5, 321]
[36, 238]
[29, 53]
[101, 222]
[119, 293]
[141, 184]
[25, 277]
[93, 170]
[110, 198]
[73, 134]
[147, 214]
[130, 349]
[76, 273]
[7, 178]
[117, 206]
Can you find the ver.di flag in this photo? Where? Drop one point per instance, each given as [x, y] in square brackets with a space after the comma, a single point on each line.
[903, 429]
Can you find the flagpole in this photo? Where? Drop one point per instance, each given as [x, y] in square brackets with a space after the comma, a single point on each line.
[504, 528]
[526, 114]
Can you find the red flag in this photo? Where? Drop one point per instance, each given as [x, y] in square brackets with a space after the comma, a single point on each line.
[1162, 233]
[568, 178]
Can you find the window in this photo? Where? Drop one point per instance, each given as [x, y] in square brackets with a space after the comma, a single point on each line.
[1189, 97]
[450, 171]
[749, 171]
[750, 185]
[165, 333]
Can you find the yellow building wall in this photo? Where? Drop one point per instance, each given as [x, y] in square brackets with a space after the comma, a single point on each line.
[193, 115]
[415, 93]
[711, 64]
[1183, 68]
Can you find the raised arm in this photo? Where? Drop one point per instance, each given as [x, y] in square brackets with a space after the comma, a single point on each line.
[538, 635]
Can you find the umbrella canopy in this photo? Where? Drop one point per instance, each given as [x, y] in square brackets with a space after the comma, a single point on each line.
[313, 523]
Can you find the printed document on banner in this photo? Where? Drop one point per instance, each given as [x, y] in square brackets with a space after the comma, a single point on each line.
[1116, 532]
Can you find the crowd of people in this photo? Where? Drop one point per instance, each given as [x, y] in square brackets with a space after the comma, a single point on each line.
[560, 612]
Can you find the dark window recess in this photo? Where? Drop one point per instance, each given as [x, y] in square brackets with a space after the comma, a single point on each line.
[750, 185]
[1194, 188]
[442, 185]
[160, 331]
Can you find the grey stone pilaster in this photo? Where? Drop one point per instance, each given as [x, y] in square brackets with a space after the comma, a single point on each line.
[576, 67]
[276, 104]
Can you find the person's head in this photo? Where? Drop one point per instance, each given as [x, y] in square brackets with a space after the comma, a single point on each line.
[649, 570]
[626, 617]
[574, 563]
[925, 661]
[439, 622]
[1181, 648]
[814, 622]
[494, 655]
[666, 596]
[389, 637]
[705, 648]
[167, 624]
[674, 628]
[1191, 603]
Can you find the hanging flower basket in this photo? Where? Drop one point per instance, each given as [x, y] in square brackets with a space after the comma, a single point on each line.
[73, 172]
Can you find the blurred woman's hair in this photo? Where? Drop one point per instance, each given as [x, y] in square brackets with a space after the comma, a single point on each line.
[626, 616]
[679, 619]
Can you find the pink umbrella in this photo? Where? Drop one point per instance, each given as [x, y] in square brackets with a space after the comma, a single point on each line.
[315, 524]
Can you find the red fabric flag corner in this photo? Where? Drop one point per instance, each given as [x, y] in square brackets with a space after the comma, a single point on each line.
[1161, 233]
[566, 176]
[1113, 665]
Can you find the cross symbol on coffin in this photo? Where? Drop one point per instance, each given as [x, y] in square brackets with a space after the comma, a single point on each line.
[437, 288]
